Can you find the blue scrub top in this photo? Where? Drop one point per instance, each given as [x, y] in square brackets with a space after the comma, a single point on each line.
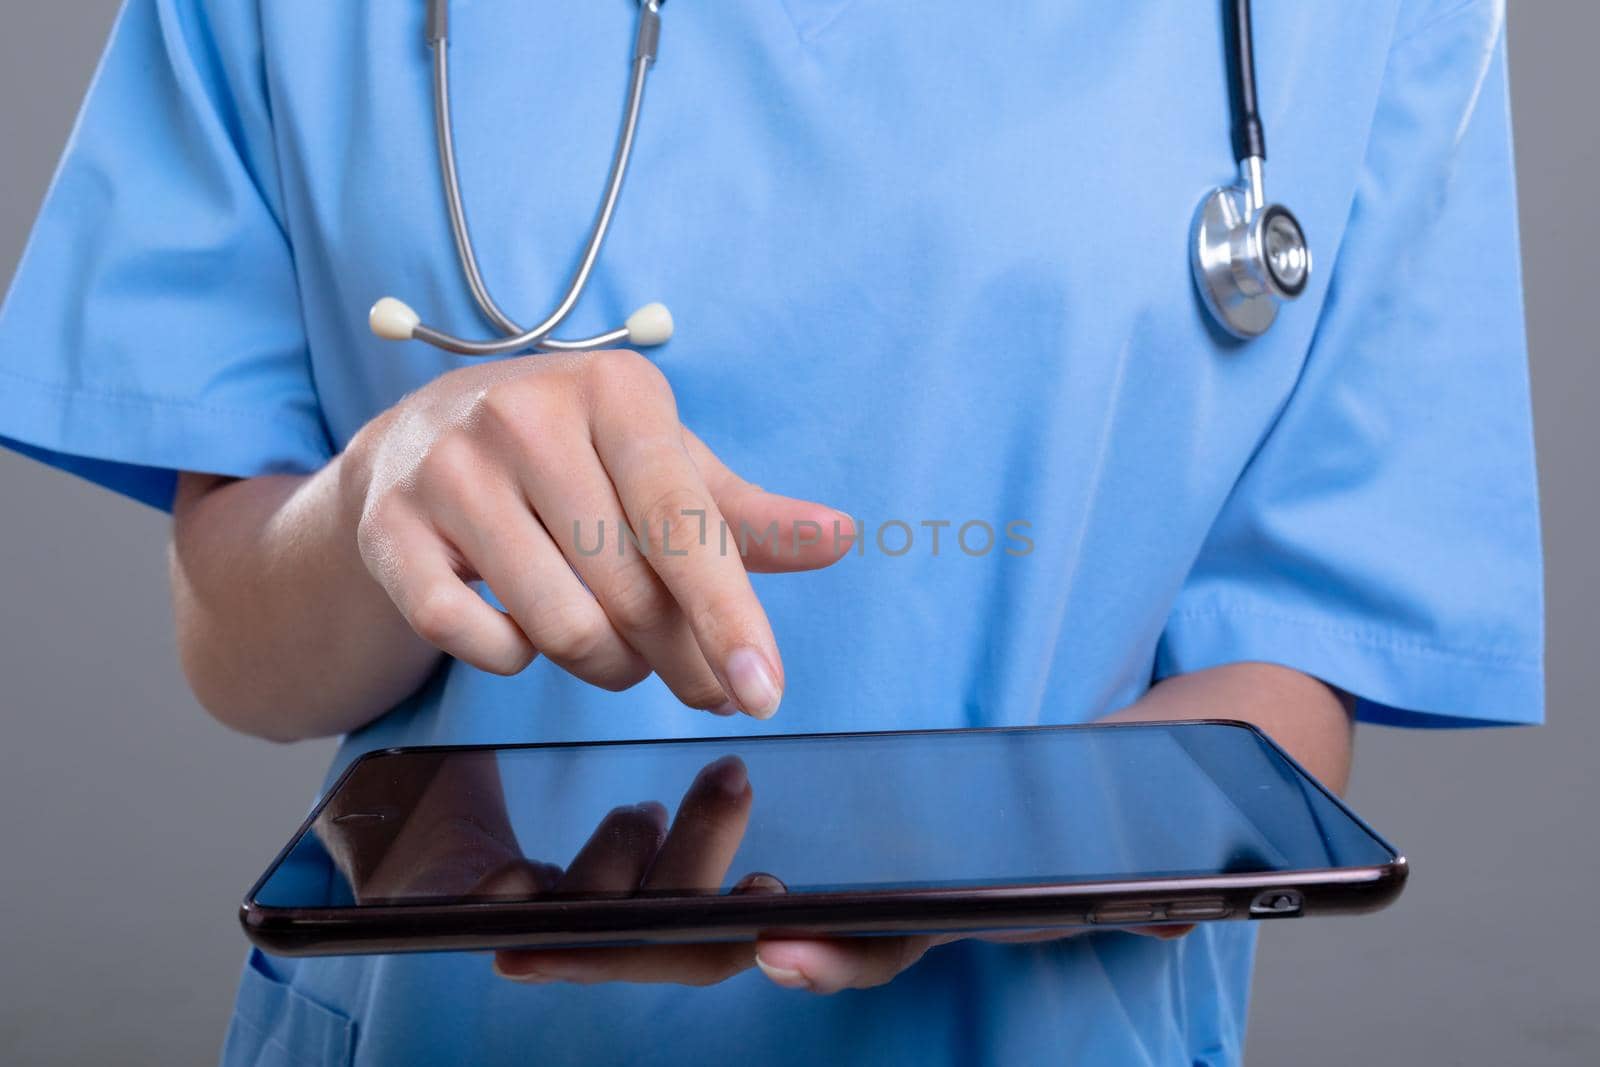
[929, 264]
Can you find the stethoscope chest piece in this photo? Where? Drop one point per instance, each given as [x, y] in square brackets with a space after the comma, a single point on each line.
[1248, 255]
[1247, 259]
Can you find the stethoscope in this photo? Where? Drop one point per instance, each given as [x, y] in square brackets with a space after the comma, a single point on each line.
[1248, 256]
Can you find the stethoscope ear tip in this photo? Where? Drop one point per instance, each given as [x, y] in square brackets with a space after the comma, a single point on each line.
[393, 320]
[650, 325]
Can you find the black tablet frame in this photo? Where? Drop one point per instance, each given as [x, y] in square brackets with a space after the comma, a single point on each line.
[657, 919]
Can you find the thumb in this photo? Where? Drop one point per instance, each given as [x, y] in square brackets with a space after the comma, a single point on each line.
[774, 533]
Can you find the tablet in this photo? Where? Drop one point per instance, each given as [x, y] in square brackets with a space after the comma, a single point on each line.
[448, 848]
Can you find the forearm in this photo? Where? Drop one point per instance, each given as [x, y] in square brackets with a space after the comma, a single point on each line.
[282, 631]
[1309, 718]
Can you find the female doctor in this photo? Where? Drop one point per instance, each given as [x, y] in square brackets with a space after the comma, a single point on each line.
[930, 266]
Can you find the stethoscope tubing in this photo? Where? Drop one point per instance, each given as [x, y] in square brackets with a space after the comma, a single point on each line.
[519, 338]
[1248, 255]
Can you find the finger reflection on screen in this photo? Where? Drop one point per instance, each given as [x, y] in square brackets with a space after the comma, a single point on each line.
[438, 826]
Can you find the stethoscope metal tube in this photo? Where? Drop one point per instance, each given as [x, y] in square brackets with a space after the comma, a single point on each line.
[649, 325]
[1248, 255]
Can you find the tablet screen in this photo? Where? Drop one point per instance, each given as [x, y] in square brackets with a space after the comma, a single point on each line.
[862, 812]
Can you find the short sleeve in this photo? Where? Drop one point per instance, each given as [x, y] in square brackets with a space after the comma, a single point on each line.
[1385, 535]
[154, 322]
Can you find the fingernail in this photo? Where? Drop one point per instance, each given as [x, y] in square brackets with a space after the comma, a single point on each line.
[784, 976]
[753, 684]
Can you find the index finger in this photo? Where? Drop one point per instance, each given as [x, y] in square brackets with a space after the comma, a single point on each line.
[707, 831]
[681, 534]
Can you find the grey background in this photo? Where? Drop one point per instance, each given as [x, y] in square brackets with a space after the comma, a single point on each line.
[131, 822]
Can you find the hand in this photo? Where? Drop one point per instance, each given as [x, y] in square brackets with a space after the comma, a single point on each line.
[633, 850]
[525, 473]
[831, 965]
[458, 840]
[818, 965]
